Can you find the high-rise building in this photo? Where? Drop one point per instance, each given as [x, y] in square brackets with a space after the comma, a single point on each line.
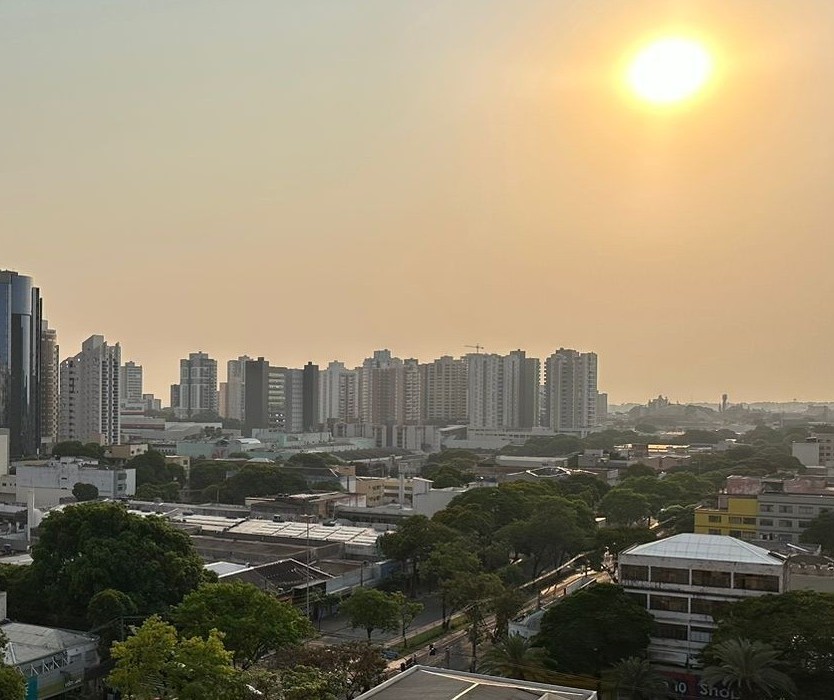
[20, 367]
[266, 397]
[444, 391]
[49, 385]
[338, 394]
[293, 399]
[89, 397]
[520, 391]
[503, 390]
[198, 386]
[485, 376]
[130, 383]
[390, 390]
[571, 381]
[236, 387]
[409, 410]
[310, 398]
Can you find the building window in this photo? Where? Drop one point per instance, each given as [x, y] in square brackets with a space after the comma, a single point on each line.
[662, 574]
[667, 631]
[756, 582]
[634, 573]
[715, 518]
[786, 509]
[711, 579]
[786, 523]
[669, 603]
[804, 523]
[767, 508]
[703, 606]
[805, 510]
[713, 531]
[735, 520]
[766, 522]
[749, 521]
[700, 634]
[735, 533]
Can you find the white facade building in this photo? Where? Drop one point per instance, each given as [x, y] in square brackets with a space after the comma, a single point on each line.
[236, 387]
[338, 394]
[682, 580]
[197, 389]
[89, 397]
[445, 390]
[571, 391]
[54, 480]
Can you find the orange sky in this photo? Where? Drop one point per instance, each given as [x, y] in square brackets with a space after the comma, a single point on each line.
[315, 180]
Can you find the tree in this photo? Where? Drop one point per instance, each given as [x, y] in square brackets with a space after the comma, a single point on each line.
[407, 611]
[88, 547]
[623, 506]
[105, 613]
[749, 668]
[74, 448]
[84, 492]
[308, 683]
[12, 685]
[635, 679]
[615, 540]
[821, 532]
[169, 492]
[505, 606]
[446, 561]
[355, 667]
[155, 663]
[515, 657]
[259, 480]
[639, 469]
[798, 624]
[413, 541]
[372, 610]
[152, 468]
[253, 623]
[476, 595]
[593, 629]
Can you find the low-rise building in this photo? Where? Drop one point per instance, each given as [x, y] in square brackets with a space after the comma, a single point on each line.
[52, 481]
[683, 580]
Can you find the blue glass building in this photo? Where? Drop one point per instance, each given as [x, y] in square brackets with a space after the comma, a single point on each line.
[20, 331]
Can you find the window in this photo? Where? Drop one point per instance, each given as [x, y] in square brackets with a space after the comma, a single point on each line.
[700, 634]
[786, 523]
[704, 606]
[735, 520]
[714, 531]
[735, 533]
[667, 631]
[749, 521]
[804, 523]
[666, 575]
[756, 582]
[767, 508]
[766, 522]
[670, 603]
[634, 573]
[805, 510]
[715, 518]
[711, 579]
[786, 509]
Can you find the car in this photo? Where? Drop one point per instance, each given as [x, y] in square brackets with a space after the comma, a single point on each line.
[390, 654]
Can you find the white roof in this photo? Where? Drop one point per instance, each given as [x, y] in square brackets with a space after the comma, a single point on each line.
[705, 547]
[30, 642]
[225, 568]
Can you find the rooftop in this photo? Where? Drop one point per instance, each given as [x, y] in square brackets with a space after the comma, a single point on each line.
[316, 532]
[705, 547]
[30, 642]
[426, 683]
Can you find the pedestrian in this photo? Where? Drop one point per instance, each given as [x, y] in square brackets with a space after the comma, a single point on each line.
[432, 650]
[402, 666]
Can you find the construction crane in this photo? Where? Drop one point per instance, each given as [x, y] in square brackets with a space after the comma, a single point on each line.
[477, 347]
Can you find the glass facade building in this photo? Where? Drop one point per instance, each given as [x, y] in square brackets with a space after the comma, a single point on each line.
[20, 347]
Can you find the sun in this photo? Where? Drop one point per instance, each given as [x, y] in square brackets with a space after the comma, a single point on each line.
[670, 70]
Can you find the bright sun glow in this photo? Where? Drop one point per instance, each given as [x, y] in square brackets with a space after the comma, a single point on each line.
[669, 70]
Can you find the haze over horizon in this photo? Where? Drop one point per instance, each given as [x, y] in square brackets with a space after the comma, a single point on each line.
[313, 181]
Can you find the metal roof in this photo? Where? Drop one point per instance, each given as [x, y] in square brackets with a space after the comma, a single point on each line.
[705, 547]
[426, 683]
[31, 642]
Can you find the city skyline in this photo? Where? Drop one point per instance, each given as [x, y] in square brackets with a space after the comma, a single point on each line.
[311, 182]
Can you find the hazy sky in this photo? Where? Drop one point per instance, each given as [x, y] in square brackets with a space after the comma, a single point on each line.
[313, 180]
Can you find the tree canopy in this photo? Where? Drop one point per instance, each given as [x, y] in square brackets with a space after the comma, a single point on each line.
[372, 609]
[253, 622]
[88, 547]
[798, 624]
[84, 492]
[593, 629]
[821, 532]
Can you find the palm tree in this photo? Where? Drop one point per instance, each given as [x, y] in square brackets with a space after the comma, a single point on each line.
[635, 679]
[515, 657]
[748, 667]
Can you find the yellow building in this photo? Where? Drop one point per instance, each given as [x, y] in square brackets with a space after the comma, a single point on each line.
[735, 516]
